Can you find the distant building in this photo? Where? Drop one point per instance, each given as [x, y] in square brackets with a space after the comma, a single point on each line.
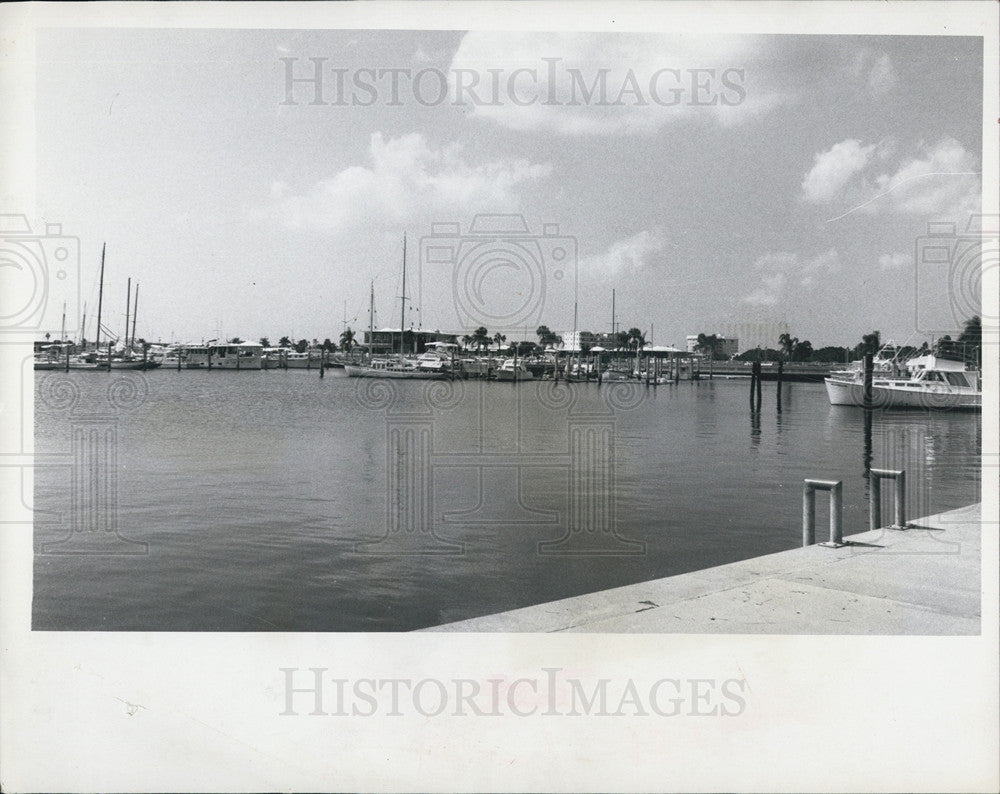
[728, 346]
[386, 340]
[581, 340]
[761, 333]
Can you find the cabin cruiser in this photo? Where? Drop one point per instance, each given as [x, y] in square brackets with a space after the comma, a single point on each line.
[930, 382]
[511, 370]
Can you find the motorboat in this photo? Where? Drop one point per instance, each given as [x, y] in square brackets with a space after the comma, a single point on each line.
[931, 382]
[510, 370]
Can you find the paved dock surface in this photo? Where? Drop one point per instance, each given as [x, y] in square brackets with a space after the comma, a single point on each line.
[921, 581]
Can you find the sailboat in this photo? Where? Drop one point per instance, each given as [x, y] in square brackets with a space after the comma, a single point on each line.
[395, 368]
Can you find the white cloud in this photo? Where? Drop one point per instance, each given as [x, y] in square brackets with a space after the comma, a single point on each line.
[875, 71]
[405, 178]
[782, 270]
[833, 169]
[940, 180]
[626, 255]
[894, 261]
[881, 77]
[596, 84]
[770, 291]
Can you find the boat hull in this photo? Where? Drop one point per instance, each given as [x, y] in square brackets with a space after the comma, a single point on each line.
[354, 371]
[900, 395]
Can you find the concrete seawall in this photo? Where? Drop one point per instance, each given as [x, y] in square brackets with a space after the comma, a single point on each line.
[921, 581]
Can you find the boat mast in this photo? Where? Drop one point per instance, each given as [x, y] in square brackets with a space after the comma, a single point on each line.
[128, 299]
[135, 310]
[371, 323]
[100, 300]
[62, 333]
[402, 309]
[83, 325]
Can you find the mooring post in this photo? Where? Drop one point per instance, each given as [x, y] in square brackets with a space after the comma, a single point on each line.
[67, 358]
[875, 498]
[109, 357]
[809, 488]
[781, 368]
[753, 382]
[322, 363]
[759, 387]
[869, 371]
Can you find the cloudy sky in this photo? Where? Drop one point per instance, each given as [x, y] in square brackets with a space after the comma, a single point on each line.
[711, 182]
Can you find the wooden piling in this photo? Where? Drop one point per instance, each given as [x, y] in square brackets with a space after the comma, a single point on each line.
[781, 365]
[759, 389]
[109, 357]
[869, 371]
[67, 358]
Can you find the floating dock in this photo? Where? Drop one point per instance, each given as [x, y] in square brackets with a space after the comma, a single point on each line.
[924, 580]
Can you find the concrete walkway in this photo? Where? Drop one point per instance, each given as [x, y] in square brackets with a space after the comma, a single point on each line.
[925, 580]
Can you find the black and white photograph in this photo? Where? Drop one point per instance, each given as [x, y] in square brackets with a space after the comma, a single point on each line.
[372, 368]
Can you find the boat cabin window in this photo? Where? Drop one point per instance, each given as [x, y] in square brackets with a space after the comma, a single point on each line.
[956, 379]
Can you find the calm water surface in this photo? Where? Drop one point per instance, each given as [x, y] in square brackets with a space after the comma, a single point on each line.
[280, 501]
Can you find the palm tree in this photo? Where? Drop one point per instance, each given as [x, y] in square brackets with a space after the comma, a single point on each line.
[636, 338]
[347, 340]
[467, 341]
[546, 337]
[787, 343]
[499, 338]
[481, 337]
[265, 342]
[284, 342]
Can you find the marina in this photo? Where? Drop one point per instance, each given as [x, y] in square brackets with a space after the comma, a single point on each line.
[279, 507]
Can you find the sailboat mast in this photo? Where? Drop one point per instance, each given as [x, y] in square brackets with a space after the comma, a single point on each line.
[100, 299]
[371, 323]
[613, 329]
[62, 333]
[135, 310]
[83, 324]
[402, 309]
[128, 299]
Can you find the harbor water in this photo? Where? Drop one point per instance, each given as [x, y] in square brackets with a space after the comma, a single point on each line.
[280, 501]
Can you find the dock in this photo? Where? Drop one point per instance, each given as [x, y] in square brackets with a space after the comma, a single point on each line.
[924, 580]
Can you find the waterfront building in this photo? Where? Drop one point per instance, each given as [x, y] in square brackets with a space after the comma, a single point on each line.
[386, 340]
